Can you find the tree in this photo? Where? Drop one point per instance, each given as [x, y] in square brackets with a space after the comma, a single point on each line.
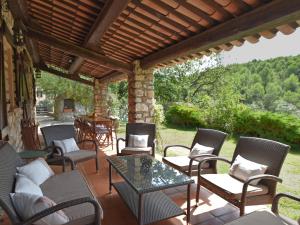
[58, 88]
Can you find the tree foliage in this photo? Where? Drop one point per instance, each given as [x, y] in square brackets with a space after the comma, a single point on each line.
[56, 88]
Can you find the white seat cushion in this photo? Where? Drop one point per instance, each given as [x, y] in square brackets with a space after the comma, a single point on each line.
[263, 217]
[242, 169]
[183, 162]
[38, 171]
[28, 205]
[200, 149]
[25, 185]
[67, 145]
[234, 186]
[138, 141]
[135, 150]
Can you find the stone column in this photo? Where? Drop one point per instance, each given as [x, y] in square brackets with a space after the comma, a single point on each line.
[140, 95]
[100, 98]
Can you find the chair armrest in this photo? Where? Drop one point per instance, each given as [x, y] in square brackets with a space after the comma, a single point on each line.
[261, 176]
[118, 140]
[193, 158]
[51, 150]
[278, 197]
[171, 146]
[201, 162]
[63, 205]
[92, 141]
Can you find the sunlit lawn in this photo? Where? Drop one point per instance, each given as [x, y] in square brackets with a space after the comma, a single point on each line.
[290, 172]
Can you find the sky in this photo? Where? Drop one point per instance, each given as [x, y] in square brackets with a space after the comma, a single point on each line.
[280, 45]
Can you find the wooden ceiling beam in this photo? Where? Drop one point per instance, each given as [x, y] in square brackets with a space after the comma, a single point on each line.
[66, 76]
[266, 17]
[78, 51]
[106, 17]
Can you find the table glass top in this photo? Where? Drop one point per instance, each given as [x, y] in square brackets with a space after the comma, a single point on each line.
[146, 174]
[29, 154]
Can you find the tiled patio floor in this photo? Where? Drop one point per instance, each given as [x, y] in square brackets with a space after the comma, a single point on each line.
[212, 209]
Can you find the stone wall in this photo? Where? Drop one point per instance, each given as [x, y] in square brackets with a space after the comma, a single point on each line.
[14, 113]
[140, 95]
[100, 98]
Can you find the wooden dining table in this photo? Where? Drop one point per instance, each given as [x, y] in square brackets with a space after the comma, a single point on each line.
[99, 129]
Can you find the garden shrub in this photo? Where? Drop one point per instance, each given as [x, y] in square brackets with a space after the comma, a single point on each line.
[246, 121]
[185, 116]
[276, 126]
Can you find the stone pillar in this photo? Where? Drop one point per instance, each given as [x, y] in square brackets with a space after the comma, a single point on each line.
[140, 95]
[100, 98]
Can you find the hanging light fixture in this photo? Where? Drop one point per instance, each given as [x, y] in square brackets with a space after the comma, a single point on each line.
[38, 73]
[18, 35]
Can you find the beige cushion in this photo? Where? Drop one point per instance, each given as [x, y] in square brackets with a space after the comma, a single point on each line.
[134, 150]
[138, 141]
[68, 186]
[67, 145]
[80, 155]
[233, 186]
[261, 218]
[25, 185]
[200, 149]
[37, 171]
[182, 163]
[28, 205]
[242, 169]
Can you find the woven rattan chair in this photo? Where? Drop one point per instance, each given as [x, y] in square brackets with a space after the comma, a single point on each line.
[240, 194]
[186, 164]
[61, 132]
[267, 217]
[77, 195]
[138, 129]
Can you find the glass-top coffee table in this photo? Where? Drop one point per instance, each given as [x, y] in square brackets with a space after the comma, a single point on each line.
[144, 179]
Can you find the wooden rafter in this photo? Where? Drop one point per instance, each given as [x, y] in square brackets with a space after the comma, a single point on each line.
[65, 75]
[79, 51]
[110, 13]
[263, 18]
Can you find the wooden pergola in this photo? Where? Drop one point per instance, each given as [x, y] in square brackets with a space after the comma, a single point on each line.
[101, 38]
[104, 39]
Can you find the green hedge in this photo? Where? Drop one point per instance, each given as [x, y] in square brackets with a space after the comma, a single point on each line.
[276, 126]
[185, 116]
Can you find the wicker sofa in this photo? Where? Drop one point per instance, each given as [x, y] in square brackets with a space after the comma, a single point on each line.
[69, 190]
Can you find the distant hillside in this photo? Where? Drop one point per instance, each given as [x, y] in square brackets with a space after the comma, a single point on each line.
[271, 85]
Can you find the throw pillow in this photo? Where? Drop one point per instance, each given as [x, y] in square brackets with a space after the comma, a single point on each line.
[25, 185]
[67, 145]
[28, 205]
[242, 169]
[201, 149]
[38, 171]
[138, 141]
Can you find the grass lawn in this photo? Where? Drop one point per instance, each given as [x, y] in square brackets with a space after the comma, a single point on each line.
[290, 172]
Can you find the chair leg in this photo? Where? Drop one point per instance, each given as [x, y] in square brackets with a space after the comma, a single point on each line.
[97, 164]
[198, 192]
[73, 166]
[242, 209]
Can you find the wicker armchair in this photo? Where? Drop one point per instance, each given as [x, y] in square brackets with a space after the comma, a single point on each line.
[267, 217]
[240, 194]
[73, 197]
[138, 129]
[61, 132]
[188, 165]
